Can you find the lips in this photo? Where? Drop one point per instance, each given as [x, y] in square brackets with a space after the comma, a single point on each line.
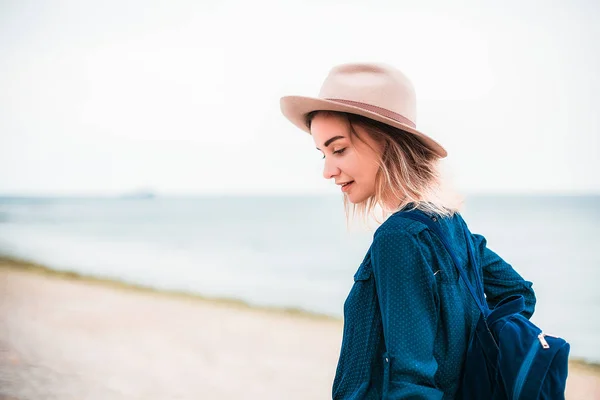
[346, 186]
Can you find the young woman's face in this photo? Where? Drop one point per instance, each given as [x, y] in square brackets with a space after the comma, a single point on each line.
[350, 162]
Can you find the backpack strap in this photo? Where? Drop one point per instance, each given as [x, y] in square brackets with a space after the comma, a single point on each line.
[476, 293]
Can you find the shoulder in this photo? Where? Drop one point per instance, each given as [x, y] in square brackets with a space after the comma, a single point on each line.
[402, 236]
[403, 250]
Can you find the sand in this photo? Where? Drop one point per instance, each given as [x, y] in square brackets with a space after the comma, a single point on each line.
[62, 337]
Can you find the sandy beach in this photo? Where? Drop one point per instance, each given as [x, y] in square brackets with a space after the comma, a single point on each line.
[66, 337]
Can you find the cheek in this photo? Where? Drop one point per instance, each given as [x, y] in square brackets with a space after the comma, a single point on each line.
[353, 165]
[365, 170]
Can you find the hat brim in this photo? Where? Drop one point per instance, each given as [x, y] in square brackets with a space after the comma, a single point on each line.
[295, 109]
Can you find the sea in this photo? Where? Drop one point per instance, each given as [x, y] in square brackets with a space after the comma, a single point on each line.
[299, 251]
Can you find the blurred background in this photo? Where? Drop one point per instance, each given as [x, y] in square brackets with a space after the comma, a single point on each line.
[142, 142]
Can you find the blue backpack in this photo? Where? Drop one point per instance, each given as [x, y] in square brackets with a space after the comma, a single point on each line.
[508, 356]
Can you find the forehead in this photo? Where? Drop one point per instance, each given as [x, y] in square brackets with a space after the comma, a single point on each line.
[325, 126]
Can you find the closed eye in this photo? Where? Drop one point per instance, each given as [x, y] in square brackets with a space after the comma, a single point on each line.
[340, 151]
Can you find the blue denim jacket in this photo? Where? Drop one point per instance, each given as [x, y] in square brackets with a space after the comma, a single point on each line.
[408, 317]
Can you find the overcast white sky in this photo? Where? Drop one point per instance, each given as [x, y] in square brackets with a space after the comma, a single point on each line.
[183, 96]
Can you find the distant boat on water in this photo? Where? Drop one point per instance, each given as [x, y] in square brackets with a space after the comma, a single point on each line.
[139, 194]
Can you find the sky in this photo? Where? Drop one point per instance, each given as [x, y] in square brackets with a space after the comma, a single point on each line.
[182, 97]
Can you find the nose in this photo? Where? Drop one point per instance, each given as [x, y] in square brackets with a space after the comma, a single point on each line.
[330, 169]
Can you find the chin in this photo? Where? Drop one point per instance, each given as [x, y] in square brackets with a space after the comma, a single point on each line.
[356, 198]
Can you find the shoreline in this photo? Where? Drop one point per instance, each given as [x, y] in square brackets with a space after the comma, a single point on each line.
[30, 266]
[14, 263]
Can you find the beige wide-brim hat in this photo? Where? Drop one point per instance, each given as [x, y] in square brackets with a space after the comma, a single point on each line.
[375, 91]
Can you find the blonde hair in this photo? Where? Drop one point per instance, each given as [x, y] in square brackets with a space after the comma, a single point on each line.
[409, 172]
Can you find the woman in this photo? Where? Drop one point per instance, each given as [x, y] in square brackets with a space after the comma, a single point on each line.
[408, 317]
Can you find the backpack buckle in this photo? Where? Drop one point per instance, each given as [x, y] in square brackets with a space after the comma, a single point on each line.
[543, 341]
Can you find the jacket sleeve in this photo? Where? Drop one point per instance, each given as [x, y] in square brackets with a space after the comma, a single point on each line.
[406, 292]
[500, 280]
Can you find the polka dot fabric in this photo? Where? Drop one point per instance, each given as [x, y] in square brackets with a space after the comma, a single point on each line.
[408, 316]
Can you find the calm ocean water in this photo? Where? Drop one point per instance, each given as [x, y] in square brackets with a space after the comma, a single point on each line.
[297, 251]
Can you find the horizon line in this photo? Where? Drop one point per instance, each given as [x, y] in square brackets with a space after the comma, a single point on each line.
[154, 195]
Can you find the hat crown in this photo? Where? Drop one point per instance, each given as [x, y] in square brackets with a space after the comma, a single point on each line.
[377, 85]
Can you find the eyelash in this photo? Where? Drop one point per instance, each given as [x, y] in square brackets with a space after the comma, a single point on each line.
[340, 151]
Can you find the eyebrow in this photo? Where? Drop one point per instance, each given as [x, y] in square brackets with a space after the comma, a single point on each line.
[331, 140]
